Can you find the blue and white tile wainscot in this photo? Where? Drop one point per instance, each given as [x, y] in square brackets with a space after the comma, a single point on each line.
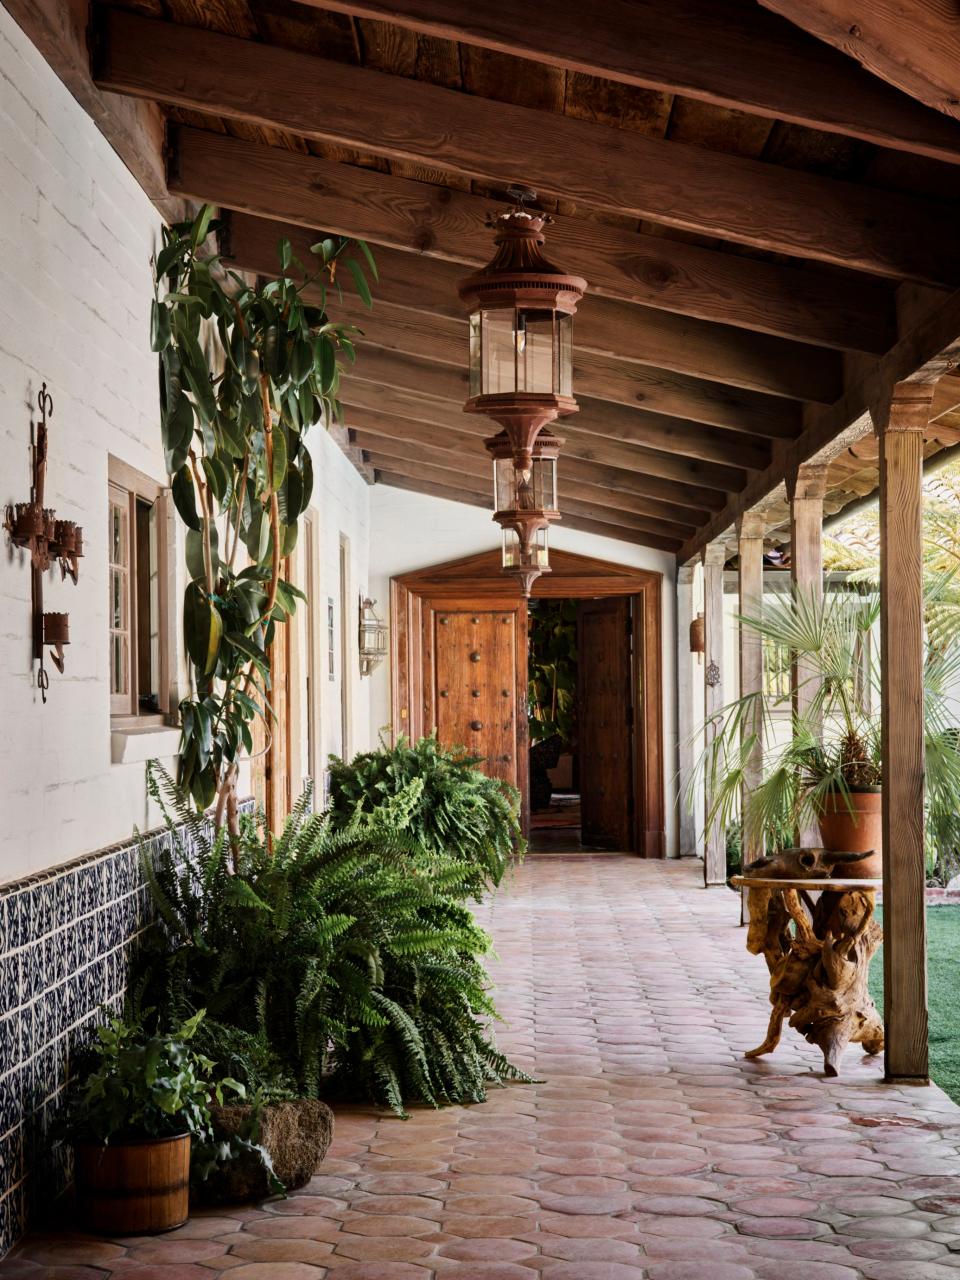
[65, 935]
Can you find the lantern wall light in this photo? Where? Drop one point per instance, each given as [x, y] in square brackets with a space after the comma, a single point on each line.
[372, 638]
[521, 375]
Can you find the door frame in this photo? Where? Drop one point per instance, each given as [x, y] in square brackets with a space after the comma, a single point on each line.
[572, 576]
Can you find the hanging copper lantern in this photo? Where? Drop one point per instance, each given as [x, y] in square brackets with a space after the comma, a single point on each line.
[525, 503]
[521, 375]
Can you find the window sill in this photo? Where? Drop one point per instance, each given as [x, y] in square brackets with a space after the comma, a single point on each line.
[138, 743]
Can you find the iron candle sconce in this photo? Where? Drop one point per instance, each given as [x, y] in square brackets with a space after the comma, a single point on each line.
[35, 528]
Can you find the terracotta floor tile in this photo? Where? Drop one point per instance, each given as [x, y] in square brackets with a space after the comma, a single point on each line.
[502, 1249]
[652, 1148]
[276, 1271]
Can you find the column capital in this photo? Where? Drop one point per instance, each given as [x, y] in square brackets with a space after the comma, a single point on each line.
[907, 408]
[752, 524]
[807, 483]
[715, 553]
[685, 574]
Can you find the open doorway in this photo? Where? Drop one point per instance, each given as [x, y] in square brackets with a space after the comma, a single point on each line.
[581, 724]
[459, 667]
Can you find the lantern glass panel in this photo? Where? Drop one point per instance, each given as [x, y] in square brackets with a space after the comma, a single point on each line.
[497, 353]
[544, 484]
[504, 485]
[535, 354]
[564, 354]
[535, 556]
[476, 354]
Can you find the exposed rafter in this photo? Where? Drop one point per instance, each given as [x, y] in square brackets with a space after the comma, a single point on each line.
[912, 44]
[598, 378]
[377, 431]
[434, 471]
[474, 498]
[901, 237]
[407, 408]
[654, 431]
[638, 334]
[572, 502]
[731, 54]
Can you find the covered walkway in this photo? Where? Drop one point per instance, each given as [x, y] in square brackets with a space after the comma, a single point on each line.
[651, 1149]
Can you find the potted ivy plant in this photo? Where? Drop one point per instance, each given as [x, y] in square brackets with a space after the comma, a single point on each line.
[133, 1116]
[822, 760]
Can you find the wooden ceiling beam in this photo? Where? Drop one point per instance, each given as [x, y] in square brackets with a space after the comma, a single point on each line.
[396, 414]
[591, 463]
[632, 333]
[913, 45]
[729, 54]
[925, 354]
[676, 437]
[584, 475]
[596, 377]
[746, 201]
[617, 526]
[460, 452]
[474, 498]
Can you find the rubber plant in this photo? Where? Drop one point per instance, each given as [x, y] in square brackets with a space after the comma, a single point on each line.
[246, 369]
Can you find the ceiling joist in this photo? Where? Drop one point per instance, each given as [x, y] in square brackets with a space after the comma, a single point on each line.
[901, 237]
[914, 44]
[714, 352]
[590, 456]
[465, 495]
[372, 430]
[675, 437]
[731, 54]
[422, 471]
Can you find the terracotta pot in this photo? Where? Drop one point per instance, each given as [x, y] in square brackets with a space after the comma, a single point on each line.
[852, 824]
[133, 1188]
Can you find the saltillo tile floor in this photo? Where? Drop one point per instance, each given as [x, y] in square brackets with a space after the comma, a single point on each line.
[652, 1151]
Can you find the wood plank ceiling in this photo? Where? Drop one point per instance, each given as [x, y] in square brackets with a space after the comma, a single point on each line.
[760, 219]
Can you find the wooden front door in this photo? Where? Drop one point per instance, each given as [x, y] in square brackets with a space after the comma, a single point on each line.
[474, 656]
[605, 720]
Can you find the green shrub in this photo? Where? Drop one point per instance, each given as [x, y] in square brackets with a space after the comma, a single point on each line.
[439, 797]
[346, 960]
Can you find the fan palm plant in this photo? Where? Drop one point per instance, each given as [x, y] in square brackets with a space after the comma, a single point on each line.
[833, 747]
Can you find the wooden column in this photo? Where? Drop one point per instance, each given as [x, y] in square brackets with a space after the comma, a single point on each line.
[686, 714]
[806, 489]
[714, 555]
[900, 427]
[750, 531]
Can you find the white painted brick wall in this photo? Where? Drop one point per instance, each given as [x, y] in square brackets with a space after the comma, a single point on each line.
[76, 237]
[410, 531]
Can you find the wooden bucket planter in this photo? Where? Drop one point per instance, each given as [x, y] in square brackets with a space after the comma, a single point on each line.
[133, 1188]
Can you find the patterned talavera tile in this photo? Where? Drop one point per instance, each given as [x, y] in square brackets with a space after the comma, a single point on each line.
[63, 942]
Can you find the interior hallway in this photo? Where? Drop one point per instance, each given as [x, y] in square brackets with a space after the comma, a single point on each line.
[652, 1151]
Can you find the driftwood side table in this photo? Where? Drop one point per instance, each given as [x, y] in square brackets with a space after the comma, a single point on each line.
[818, 951]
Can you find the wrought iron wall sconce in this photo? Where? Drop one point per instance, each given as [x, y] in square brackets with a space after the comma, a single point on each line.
[373, 637]
[35, 528]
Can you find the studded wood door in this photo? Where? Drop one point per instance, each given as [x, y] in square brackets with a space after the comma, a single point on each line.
[477, 659]
[605, 716]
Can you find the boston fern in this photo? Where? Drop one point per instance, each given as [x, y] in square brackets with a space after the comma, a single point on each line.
[447, 805]
[345, 961]
[244, 371]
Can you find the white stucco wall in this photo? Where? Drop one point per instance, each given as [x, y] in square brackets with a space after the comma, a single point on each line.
[76, 238]
[409, 531]
[76, 235]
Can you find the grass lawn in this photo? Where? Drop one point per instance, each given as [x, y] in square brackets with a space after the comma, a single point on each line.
[943, 960]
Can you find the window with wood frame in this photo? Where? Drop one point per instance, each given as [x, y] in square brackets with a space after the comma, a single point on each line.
[136, 551]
